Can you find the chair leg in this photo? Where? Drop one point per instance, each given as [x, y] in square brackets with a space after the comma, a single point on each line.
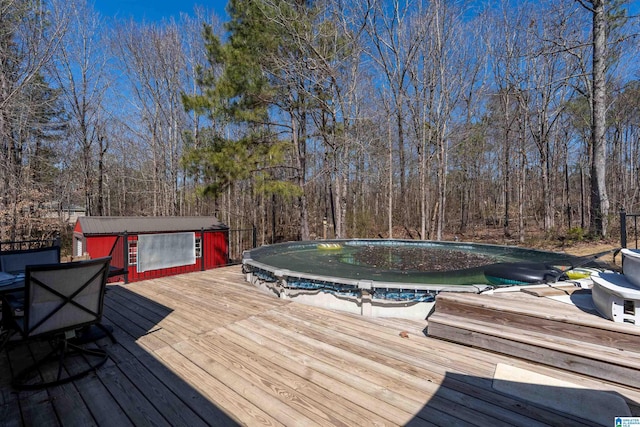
[93, 333]
[60, 351]
[63, 352]
[5, 336]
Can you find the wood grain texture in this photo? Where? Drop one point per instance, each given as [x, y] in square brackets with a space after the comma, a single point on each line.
[540, 332]
[207, 348]
[550, 290]
[542, 315]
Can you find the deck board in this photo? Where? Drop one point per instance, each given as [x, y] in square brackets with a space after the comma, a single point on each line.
[207, 348]
[411, 376]
[540, 329]
[232, 406]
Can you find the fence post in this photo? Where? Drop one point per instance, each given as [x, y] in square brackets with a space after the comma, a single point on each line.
[254, 236]
[125, 255]
[202, 258]
[229, 254]
[623, 228]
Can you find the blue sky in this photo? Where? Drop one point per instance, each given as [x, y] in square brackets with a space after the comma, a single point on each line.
[155, 10]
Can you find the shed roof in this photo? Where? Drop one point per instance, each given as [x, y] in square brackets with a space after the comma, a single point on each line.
[155, 224]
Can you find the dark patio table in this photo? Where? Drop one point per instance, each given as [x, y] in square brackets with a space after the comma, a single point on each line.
[11, 282]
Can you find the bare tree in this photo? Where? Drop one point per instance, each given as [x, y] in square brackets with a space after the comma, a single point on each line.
[396, 40]
[154, 63]
[599, 198]
[82, 72]
[549, 72]
[29, 35]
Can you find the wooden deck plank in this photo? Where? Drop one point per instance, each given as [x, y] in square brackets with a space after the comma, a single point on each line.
[550, 309]
[543, 340]
[585, 347]
[412, 327]
[102, 406]
[227, 373]
[165, 380]
[317, 372]
[514, 312]
[347, 378]
[10, 415]
[181, 325]
[205, 348]
[149, 322]
[236, 293]
[170, 405]
[236, 407]
[70, 409]
[299, 378]
[35, 406]
[423, 383]
[146, 339]
[168, 383]
[551, 290]
[148, 309]
[273, 380]
[396, 382]
[185, 301]
[520, 345]
[6, 396]
[413, 352]
[131, 399]
[370, 375]
[301, 364]
[36, 410]
[70, 403]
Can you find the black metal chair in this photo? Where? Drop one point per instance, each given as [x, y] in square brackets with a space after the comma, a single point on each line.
[59, 300]
[16, 261]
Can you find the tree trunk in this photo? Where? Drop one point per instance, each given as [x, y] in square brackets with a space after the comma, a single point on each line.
[390, 196]
[599, 199]
[102, 151]
[299, 138]
[402, 162]
[423, 189]
[442, 182]
[521, 169]
[507, 169]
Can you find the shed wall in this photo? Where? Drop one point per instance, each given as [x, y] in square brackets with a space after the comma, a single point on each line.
[216, 249]
[99, 246]
[215, 255]
[215, 252]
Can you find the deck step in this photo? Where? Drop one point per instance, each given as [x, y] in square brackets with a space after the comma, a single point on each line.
[575, 343]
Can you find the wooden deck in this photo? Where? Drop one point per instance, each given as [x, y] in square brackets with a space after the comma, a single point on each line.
[523, 325]
[207, 349]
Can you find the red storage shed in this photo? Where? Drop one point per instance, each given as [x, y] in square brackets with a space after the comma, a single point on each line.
[150, 247]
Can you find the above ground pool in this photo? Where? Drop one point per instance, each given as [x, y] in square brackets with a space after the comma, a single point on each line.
[399, 261]
[399, 270]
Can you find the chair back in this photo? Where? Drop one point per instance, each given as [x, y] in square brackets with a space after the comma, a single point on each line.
[65, 296]
[17, 261]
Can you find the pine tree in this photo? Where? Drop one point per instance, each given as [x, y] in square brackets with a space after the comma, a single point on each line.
[235, 97]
